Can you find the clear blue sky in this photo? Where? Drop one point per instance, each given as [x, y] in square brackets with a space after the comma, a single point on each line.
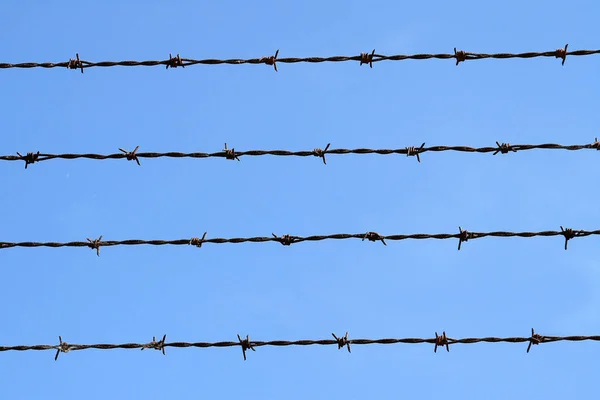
[495, 287]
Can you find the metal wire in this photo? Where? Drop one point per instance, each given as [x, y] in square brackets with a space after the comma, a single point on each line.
[341, 341]
[286, 240]
[232, 154]
[364, 58]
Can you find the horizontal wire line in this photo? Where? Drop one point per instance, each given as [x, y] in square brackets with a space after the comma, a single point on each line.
[462, 236]
[363, 58]
[341, 342]
[232, 154]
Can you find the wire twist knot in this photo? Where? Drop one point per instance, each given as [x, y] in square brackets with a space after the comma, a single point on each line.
[95, 244]
[569, 234]
[29, 158]
[535, 338]
[285, 240]
[197, 241]
[504, 148]
[412, 151]
[562, 53]
[130, 155]
[63, 347]
[246, 345]
[175, 62]
[75, 63]
[463, 236]
[230, 153]
[342, 341]
[366, 58]
[160, 345]
[271, 60]
[321, 153]
[460, 56]
[441, 340]
[373, 237]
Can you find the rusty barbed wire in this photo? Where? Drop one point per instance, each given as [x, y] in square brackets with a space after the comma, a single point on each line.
[367, 58]
[463, 236]
[339, 341]
[232, 154]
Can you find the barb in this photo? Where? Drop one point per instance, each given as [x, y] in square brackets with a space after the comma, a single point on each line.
[75, 64]
[198, 241]
[175, 62]
[95, 244]
[63, 347]
[160, 345]
[463, 235]
[29, 158]
[272, 60]
[232, 154]
[131, 155]
[366, 58]
[246, 345]
[363, 58]
[442, 340]
[374, 237]
[340, 342]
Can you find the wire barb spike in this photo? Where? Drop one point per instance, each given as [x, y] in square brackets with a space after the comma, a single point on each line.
[342, 341]
[271, 60]
[504, 148]
[75, 64]
[29, 158]
[463, 236]
[130, 155]
[175, 62]
[230, 153]
[569, 234]
[321, 153]
[562, 53]
[441, 340]
[285, 240]
[197, 241]
[246, 345]
[412, 151]
[160, 345]
[63, 347]
[460, 56]
[535, 338]
[373, 237]
[95, 244]
[366, 58]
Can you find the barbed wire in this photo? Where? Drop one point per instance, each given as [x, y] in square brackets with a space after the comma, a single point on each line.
[463, 236]
[364, 58]
[232, 154]
[341, 341]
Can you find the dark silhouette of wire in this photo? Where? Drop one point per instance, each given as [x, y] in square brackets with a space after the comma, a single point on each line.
[367, 58]
[341, 341]
[286, 240]
[232, 154]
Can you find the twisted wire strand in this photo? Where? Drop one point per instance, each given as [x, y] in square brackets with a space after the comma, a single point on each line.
[232, 154]
[462, 236]
[341, 342]
[364, 58]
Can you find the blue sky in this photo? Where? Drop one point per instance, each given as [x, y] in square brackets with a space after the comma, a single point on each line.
[492, 287]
